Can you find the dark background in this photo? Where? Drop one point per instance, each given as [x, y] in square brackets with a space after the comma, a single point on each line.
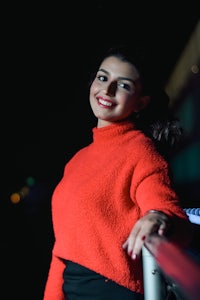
[48, 53]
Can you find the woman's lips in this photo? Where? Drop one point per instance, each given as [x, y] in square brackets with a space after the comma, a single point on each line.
[105, 102]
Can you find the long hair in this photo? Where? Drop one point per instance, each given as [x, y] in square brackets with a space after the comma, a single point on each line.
[156, 119]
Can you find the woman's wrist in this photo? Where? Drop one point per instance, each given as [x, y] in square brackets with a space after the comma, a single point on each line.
[161, 214]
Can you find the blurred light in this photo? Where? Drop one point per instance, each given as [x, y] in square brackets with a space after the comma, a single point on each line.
[195, 69]
[24, 191]
[15, 198]
[30, 181]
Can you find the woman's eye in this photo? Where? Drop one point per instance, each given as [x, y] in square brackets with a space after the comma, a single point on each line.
[101, 78]
[124, 85]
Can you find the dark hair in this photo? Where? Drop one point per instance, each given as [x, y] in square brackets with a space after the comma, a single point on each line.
[156, 119]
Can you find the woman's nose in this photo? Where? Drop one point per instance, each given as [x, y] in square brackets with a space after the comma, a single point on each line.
[111, 88]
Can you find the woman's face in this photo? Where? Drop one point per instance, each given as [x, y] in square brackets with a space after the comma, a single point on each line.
[115, 91]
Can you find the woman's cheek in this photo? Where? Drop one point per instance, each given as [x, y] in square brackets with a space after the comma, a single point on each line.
[94, 89]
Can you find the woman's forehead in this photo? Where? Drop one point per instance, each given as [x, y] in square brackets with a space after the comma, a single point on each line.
[115, 65]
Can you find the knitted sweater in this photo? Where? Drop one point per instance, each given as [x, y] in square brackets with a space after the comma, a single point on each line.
[105, 188]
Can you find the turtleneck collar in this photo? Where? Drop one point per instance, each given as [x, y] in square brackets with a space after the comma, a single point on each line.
[112, 132]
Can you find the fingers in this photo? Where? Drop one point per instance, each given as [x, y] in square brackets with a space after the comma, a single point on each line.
[133, 245]
[162, 229]
[142, 229]
[130, 244]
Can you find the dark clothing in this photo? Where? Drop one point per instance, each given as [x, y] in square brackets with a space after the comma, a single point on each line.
[82, 283]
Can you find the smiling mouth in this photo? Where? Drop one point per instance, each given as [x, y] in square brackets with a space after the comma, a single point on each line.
[105, 102]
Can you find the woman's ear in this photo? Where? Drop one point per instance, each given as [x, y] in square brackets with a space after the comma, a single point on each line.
[143, 102]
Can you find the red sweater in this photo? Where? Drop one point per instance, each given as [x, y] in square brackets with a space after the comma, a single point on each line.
[106, 187]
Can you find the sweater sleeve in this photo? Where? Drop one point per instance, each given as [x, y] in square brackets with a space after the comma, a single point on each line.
[53, 289]
[153, 188]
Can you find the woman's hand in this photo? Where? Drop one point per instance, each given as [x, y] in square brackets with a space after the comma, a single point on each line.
[152, 222]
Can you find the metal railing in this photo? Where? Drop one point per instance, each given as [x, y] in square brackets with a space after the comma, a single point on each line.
[169, 271]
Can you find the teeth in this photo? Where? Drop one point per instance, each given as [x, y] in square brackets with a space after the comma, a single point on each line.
[105, 102]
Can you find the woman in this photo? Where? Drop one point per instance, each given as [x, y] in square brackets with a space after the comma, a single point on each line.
[116, 191]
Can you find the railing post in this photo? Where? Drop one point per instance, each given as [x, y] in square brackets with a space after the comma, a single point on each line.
[154, 284]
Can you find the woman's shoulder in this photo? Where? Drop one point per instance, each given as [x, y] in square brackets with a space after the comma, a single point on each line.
[144, 148]
[140, 140]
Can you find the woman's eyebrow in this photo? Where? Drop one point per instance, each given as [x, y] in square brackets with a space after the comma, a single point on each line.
[127, 78]
[103, 70]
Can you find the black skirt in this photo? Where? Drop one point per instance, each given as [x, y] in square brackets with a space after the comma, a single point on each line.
[82, 283]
